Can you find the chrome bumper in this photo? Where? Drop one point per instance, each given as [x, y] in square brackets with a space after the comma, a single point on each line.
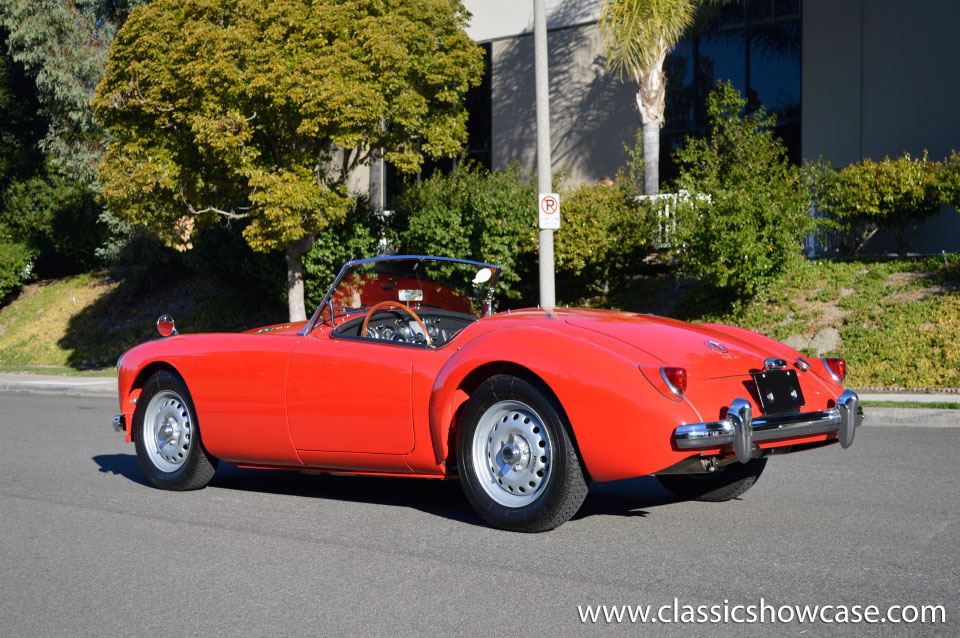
[741, 430]
[119, 423]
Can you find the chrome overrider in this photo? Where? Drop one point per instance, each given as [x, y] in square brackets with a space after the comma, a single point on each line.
[740, 429]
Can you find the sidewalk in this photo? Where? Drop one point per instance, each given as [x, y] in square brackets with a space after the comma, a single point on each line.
[52, 384]
[895, 417]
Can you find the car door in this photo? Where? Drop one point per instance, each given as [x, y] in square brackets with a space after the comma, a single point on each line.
[347, 395]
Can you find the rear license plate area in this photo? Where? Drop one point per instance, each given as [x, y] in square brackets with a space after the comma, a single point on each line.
[779, 391]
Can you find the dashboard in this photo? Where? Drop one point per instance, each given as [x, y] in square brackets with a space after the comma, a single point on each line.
[397, 326]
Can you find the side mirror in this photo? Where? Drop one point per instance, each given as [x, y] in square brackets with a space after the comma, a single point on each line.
[165, 326]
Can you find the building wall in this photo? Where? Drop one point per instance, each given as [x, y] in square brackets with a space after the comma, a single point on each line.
[881, 78]
[592, 113]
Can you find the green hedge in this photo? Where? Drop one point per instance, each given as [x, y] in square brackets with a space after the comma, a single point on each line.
[893, 193]
[491, 216]
[748, 210]
[16, 265]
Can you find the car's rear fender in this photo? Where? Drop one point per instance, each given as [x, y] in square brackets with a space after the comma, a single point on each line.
[621, 424]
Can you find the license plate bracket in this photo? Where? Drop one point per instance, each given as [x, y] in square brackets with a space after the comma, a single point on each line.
[779, 391]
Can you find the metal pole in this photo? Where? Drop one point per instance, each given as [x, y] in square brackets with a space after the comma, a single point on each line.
[544, 175]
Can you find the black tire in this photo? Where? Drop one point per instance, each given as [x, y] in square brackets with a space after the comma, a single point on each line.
[165, 412]
[728, 482]
[551, 479]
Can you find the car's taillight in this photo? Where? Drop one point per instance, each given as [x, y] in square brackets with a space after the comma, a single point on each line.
[676, 379]
[836, 367]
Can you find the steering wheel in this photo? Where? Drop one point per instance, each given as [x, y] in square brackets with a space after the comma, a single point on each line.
[395, 304]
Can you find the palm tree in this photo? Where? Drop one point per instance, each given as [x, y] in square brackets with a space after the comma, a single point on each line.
[637, 35]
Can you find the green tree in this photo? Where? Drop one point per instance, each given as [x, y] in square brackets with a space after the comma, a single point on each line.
[63, 45]
[746, 207]
[259, 113]
[637, 35]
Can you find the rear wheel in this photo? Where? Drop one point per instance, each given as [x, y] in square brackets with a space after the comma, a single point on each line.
[518, 466]
[724, 484]
[167, 438]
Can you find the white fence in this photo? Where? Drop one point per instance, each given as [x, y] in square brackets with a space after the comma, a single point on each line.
[667, 218]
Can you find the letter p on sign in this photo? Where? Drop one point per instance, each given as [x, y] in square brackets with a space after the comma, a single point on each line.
[549, 211]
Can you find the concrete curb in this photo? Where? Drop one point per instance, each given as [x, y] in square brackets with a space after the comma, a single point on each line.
[50, 384]
[906, 417]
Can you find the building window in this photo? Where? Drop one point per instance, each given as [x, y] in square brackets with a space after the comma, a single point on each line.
[755, 45]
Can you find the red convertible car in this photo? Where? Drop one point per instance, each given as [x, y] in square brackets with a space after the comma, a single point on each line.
[404, 370]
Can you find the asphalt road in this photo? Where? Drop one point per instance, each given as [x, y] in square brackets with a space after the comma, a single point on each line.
[87, 548]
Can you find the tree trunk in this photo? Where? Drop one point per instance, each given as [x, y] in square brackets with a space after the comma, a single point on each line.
[295, 297]
[650, 102]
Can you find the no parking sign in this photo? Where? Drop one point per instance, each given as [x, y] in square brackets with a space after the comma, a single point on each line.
[549, 211]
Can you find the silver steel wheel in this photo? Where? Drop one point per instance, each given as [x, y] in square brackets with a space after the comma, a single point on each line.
[166, 431]
[512, 453]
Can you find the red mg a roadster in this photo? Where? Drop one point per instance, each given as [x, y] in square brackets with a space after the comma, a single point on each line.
[404, 370]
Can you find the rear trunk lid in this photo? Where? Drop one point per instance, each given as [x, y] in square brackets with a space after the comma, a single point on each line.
[703, 351]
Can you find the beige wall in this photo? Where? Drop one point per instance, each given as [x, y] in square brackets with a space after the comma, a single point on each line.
[592, 113]
[882, 77]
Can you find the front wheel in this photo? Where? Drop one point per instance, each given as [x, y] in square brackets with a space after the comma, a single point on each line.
[725, 484]
[167, 438]
[518, 466]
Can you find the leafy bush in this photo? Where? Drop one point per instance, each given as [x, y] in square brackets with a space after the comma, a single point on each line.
[473, 213]
[355, 237]
[491, 216]
[952, 181]
[869, 195]
[16, 264]
[57, 218]
[749, 211]
[605, 235]
[145, 263]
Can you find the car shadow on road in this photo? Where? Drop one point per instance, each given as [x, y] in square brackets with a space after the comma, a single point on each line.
[629, 498]
[431, 496]
[125, 465]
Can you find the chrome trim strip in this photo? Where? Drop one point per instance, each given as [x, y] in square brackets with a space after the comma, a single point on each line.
[742, 431]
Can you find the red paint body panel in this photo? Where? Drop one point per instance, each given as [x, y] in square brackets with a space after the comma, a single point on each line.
[275, 398]
[345, 395]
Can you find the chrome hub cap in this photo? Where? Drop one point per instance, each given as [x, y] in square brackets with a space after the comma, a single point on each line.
[512, 453]
[166, 431]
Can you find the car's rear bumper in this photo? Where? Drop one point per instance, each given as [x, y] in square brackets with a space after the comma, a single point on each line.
[741, 430]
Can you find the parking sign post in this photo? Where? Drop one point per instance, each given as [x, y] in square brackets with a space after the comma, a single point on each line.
[544, 176]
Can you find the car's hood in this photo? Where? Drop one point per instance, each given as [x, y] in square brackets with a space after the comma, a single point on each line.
[289, 328]
[705, 352]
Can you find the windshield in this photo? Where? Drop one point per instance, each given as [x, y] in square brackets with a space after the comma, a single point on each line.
[464, 287]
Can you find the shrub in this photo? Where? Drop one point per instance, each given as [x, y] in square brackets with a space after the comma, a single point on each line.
[355, 237]
[895, 194]
[491, 216]
[57, 218]
[952, 180]
[605, 235]
[749, 211]
[473, 213]
[16, 264]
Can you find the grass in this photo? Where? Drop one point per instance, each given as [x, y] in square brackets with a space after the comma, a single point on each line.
[897, 321]
[82, 324]
[936, 405]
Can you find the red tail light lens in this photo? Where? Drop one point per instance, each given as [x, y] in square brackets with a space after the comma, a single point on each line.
[676, 379]
[837, 368]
